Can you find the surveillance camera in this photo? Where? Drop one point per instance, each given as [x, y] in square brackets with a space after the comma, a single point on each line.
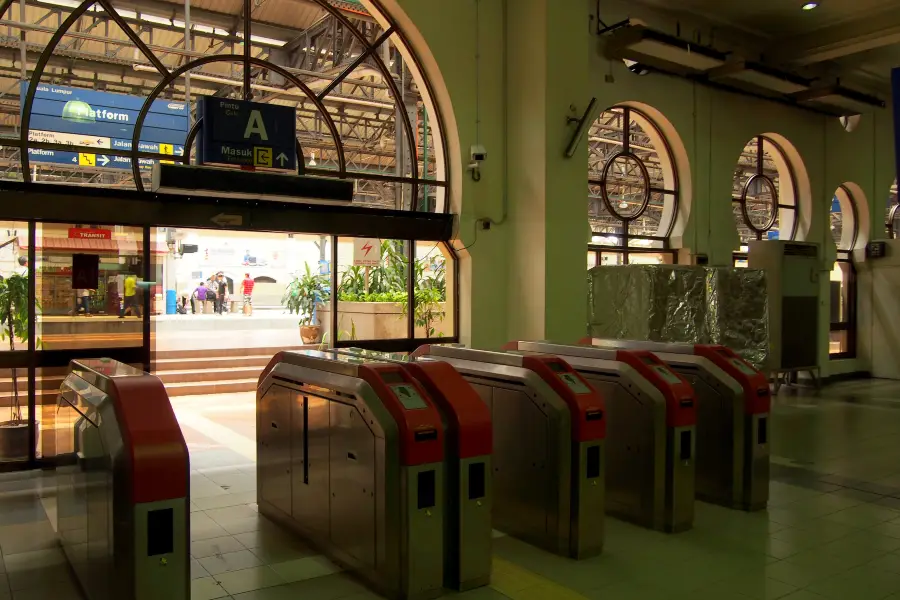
[478, 153]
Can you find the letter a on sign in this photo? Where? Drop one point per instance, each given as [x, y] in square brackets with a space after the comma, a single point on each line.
[255, 125]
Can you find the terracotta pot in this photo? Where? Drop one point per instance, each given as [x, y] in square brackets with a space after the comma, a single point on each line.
[14, 440]
[310, 333]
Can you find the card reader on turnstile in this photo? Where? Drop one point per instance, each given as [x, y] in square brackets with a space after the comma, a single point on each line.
[650, 438]
[350, 455]
[467, 467]
[734, 402]
[549, 428]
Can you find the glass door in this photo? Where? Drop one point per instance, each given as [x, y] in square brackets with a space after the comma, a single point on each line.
[89, 301]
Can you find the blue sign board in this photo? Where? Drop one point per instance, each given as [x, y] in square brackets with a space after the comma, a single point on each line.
[772, 234]
[247, 134]
[93, 121]
[835, 205]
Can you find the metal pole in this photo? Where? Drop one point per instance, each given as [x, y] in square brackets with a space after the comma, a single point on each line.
[189, 46]
[248, 93]
[32, 342]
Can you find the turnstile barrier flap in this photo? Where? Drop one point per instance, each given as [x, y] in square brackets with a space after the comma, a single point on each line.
[466, 412]
[585, 403]
[421, 432]
[681, 405]
[757, 395]
[154, 445]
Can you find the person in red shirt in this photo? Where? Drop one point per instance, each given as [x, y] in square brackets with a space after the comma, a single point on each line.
[247, 290]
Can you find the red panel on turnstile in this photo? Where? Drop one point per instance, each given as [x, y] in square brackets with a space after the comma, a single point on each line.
[469, 418]
[587, 408]
[421, 430]
[154, 445]
[681, 405]
[757, 397]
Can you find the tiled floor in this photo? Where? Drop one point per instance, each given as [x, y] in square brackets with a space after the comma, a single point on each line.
[832, 529]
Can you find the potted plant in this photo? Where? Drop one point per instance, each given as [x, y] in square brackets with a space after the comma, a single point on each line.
[302, 297]
[14, 326]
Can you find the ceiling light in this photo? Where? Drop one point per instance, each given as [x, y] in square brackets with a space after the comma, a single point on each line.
[312, 159]
[810, 5]
[623, 204]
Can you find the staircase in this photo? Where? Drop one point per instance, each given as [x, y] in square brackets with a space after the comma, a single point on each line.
[213, 371]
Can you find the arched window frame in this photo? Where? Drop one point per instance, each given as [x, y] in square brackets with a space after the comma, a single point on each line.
[843, 323]
[622, 249]
[777, 217]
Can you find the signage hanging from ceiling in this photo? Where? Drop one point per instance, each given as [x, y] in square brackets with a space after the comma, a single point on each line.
[92, 121]
[247, 134]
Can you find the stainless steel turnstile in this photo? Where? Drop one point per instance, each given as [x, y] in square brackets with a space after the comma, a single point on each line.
[122, 484]
[734, 402]
[549, 426]
[468, 496]
[650, 441]
[350, 455]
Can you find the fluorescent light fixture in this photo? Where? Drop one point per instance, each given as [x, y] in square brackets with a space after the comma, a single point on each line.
[810, 5]
[761, 76]
[640, 43]
[842, 100]
[155, 19]
[128, 14]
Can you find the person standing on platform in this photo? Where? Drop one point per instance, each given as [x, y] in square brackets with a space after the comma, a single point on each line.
[132, 302]
[84, 298]
[198, 298]
[247, 291]
[221, 293]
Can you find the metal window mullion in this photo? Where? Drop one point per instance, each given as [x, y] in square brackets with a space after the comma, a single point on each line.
[32, 343]
[411, 290]
[626, 129]
[334, 289]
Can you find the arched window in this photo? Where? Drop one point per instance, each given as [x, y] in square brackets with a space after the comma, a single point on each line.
[845, 222]
[632, 190]
[363, 109]
[893, 213]
[764, 193]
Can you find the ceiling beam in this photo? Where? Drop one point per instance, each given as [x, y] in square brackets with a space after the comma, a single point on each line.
[874, 31]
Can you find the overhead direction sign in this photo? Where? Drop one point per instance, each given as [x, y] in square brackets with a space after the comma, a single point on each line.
[247, 134]
[89, 119]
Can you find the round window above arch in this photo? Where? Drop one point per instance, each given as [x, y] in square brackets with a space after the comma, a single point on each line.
[633, 185]
[764, 192]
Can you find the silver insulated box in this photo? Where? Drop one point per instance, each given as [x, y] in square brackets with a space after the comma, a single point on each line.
[681, 304]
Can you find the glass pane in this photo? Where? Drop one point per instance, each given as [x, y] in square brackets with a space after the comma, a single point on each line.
[838, 342]
[372, 289]
[761, 200]
[650, 222]
[434, 291]
[14, 273]
[273, 290]
[626, 186]
[744, 233]
[102, 306]
[646, 258]
[644, 243]
[611, 258]
[840, 288]
[592, 259]
[14, 426]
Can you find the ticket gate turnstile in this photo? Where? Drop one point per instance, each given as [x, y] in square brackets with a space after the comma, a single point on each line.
[123, 508]
[549, 427]
[650, 441]
[467, 468]
[734, 402]
[350, 456]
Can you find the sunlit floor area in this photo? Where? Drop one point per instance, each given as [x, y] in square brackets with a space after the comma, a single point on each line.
[832, 529]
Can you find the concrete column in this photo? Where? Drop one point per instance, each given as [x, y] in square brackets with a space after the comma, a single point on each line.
[547, 72]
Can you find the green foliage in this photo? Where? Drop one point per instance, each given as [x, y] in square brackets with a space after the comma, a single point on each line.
[342, 335]
[304, 293]
[387, 283]
[14, 325]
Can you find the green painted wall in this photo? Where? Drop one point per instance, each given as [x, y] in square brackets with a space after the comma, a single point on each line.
[526, 275]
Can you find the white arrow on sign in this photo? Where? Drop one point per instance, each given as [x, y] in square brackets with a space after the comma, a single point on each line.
[223, 220]
[281, 158]
[103, 159]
